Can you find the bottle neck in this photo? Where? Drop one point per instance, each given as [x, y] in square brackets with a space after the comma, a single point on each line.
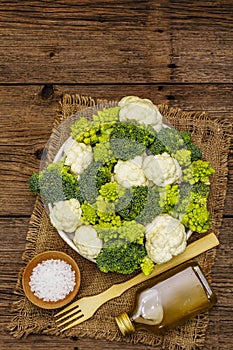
[125, 324]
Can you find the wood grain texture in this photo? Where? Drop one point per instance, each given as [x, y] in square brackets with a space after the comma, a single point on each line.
[201, 40]
[84, 42]
[174, 52]
[103, 41]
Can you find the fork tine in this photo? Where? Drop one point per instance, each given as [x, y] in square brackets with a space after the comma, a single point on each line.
[77, 315]
[75, 323]
[75, 310]
[71, 306]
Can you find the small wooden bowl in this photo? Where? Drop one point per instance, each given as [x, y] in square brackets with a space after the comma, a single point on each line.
[50, 254]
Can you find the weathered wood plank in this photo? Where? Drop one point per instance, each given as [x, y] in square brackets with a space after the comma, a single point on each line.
[201, 41]
[116, 42]
[74, 42]
[12, 236]
[26, 126]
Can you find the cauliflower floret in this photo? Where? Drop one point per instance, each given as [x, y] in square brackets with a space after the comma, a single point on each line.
[142, 110]
[129, 173]
[87, 242]
[66, 215]
[165, 238]
[162, 169]
[78, 156]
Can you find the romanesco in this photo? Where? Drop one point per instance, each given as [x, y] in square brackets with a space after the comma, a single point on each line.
[102, 152]
[169, 197]
[120, 235]
[183, 157]
[199, 170]
[197, 217]
[147, 265]
[111, 191]
[89, 215]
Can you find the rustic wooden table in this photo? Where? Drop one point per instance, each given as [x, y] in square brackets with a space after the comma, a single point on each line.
[175, 52]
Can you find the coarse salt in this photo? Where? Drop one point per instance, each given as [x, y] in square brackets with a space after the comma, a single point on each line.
[52, 280]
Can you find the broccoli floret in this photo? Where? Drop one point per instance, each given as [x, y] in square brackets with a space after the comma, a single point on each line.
[134, 200]
[133, 131]
[56, 183]
[157, 147]
[91, 180]
[147, 266]
[88, 183]
[126, 149]
[104, 174]
[196, 153]
[186, 136]
[171, 139]
[202, 189]
[121, 259]
[185, 197]
[128, 140]
[151, 208]
[34, 183]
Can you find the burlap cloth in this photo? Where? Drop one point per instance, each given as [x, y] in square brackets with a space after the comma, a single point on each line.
[213, 137]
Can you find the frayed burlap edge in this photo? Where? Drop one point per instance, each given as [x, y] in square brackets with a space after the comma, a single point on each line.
[192, 334]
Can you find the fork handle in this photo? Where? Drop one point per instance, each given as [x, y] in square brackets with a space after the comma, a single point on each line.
[194, 249]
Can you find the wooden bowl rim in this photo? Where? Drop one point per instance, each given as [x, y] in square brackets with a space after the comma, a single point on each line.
[47, 255]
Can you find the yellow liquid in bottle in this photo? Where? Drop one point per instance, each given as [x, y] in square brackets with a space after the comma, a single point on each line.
[170, 300]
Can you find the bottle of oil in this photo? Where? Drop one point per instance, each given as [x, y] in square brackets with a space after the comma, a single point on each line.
[169, 300]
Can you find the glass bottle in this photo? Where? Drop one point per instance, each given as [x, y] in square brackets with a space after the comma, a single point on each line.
[169, 300]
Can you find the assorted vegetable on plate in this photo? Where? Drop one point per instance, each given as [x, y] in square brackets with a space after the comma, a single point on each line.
[126, 188]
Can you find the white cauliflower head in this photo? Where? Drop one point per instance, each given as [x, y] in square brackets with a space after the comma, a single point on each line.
[66, 215]
[142, 110]
[165, 238]
[78, 156]
[129, 173]
[162, 169]
[87, 241]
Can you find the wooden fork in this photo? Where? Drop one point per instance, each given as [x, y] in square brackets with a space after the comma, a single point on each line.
[84, 308]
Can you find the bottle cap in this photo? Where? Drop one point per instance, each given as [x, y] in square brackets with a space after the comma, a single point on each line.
[124, 323]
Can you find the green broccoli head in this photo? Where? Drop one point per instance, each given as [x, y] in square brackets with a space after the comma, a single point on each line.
[34, 183]
[55, 183]
[128, 140]
[157, 147]
[123, 259]
[171, 139]
[131, 204]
